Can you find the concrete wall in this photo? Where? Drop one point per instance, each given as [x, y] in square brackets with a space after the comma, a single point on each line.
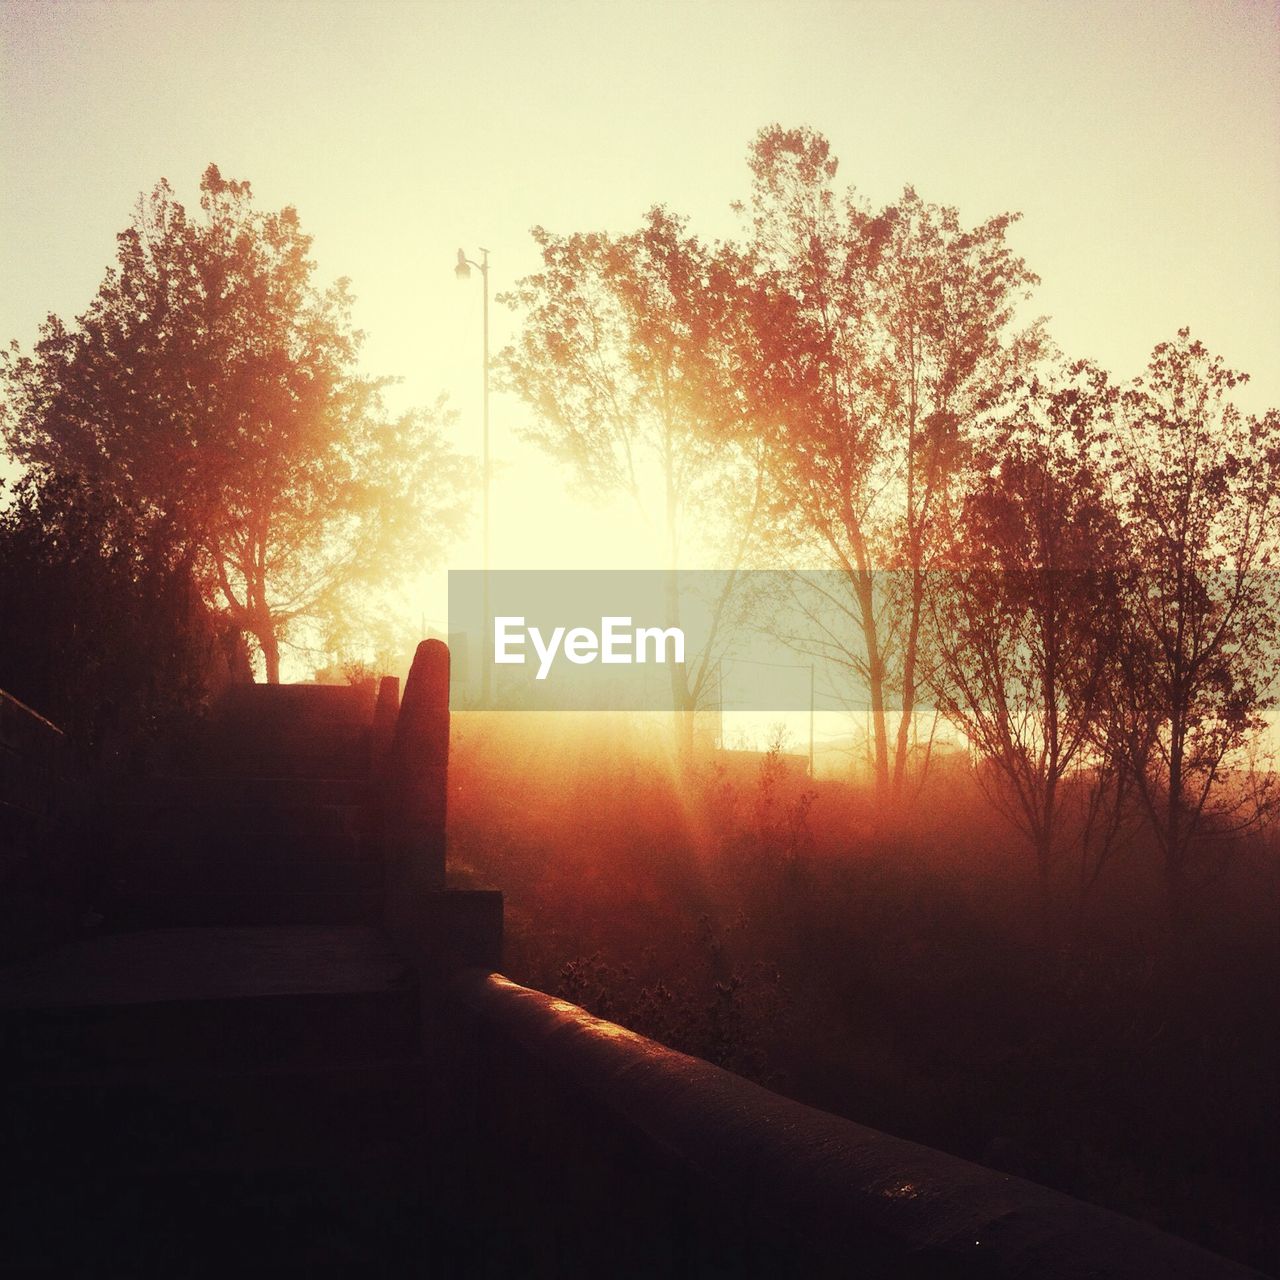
[638, 1160]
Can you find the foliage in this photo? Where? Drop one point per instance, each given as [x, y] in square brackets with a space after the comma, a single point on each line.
[1198, 483]
[103, 629]
[627, 356]
[882, 342]
[1079, 577]
[211, 387]
[1023, 632]
[620, 355]
[724, 1013]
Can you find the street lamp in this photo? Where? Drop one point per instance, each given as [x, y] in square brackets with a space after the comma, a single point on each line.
[463, 271]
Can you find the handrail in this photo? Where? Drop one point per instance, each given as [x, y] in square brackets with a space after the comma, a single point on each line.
[30, 758]
[38, 886]
[29, 712]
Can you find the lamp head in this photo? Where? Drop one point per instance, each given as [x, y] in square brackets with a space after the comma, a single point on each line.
[463, 269]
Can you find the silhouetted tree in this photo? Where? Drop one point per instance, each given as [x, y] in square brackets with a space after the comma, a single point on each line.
[882, 339]
[102, 627]
[1199, 487]
[627, 356]
[1023, 636]
[211, 386]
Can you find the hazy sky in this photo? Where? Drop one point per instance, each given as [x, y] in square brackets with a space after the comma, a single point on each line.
[1139, 141]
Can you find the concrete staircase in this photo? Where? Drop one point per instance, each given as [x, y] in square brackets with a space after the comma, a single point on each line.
[182, 1100]
[229, 1077]
[259, 1096]
[272, 830]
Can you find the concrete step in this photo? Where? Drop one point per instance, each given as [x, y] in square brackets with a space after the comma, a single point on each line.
[215, 998]
[190, 1117]
[323, 762]
[267, 1031]
[212, 845]
[184, 870]
[307, 704]
[385, 1216]
[262, 750]
[255, 908]
[267, 789]
[337, 1171]
[285, 819]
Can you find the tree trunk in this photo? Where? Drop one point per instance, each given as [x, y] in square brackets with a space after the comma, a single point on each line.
[1044, 887]
[682, 699]
[902, 752]
[270, 643]
[865, 591]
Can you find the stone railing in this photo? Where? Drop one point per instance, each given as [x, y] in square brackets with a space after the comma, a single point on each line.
[635, 1159]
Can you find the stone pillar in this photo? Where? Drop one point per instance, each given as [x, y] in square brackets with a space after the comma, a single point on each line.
[439, 930]
[417, 771]
[385, 711]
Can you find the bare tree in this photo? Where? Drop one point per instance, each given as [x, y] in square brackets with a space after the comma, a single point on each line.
[1022, 622]
[1198, 483]
[626, 355]
[883, 340]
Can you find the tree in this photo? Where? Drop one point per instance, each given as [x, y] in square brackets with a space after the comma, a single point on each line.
[103, 628]
[1022, 629]
[626, 355]
[1199, 487]
[211, 386]
[882, 341]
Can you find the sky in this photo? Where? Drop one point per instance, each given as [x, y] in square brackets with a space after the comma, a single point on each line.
[1141, 142]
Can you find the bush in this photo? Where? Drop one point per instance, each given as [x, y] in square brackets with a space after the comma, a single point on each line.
[102, 628]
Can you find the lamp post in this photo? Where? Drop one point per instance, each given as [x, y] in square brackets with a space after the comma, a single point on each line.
[463, 271]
